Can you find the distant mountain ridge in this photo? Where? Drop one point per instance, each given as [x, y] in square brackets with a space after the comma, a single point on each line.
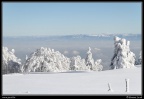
[81, 36]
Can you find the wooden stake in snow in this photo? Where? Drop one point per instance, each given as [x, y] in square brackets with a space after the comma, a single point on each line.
[109, 86]
[127, 85]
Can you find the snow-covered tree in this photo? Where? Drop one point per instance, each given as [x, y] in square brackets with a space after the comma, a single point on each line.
[26, 57]
[95, 66]
[89, 59]
[140, 59]
[123, 57]
[78, 64]
[46, 60]
[11, 64]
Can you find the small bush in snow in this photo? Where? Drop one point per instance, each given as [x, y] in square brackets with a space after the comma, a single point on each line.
[110, 88]
[127, 85]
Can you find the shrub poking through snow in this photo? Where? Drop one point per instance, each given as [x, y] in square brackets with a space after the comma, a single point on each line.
[109, 86]
[127, 85]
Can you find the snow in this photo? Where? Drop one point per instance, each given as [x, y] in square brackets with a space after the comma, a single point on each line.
[74, 82]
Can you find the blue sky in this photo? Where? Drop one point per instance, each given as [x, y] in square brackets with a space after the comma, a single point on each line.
[64, 18]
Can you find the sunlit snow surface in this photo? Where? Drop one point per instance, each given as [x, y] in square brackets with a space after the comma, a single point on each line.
[73, 82]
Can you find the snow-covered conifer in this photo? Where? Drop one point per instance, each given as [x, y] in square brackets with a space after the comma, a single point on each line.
[77, 63]
[11, 64]
[123, 57]
[140, 59]
[26, 57]
[98, 66]
[95, 66]
[89, 59]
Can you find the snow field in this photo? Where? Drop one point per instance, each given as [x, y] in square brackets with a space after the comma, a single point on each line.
[78, 82]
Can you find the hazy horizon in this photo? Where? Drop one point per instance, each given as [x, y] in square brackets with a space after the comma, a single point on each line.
[101, 48]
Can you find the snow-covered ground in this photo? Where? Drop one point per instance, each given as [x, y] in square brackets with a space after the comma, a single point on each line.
[78, 82]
